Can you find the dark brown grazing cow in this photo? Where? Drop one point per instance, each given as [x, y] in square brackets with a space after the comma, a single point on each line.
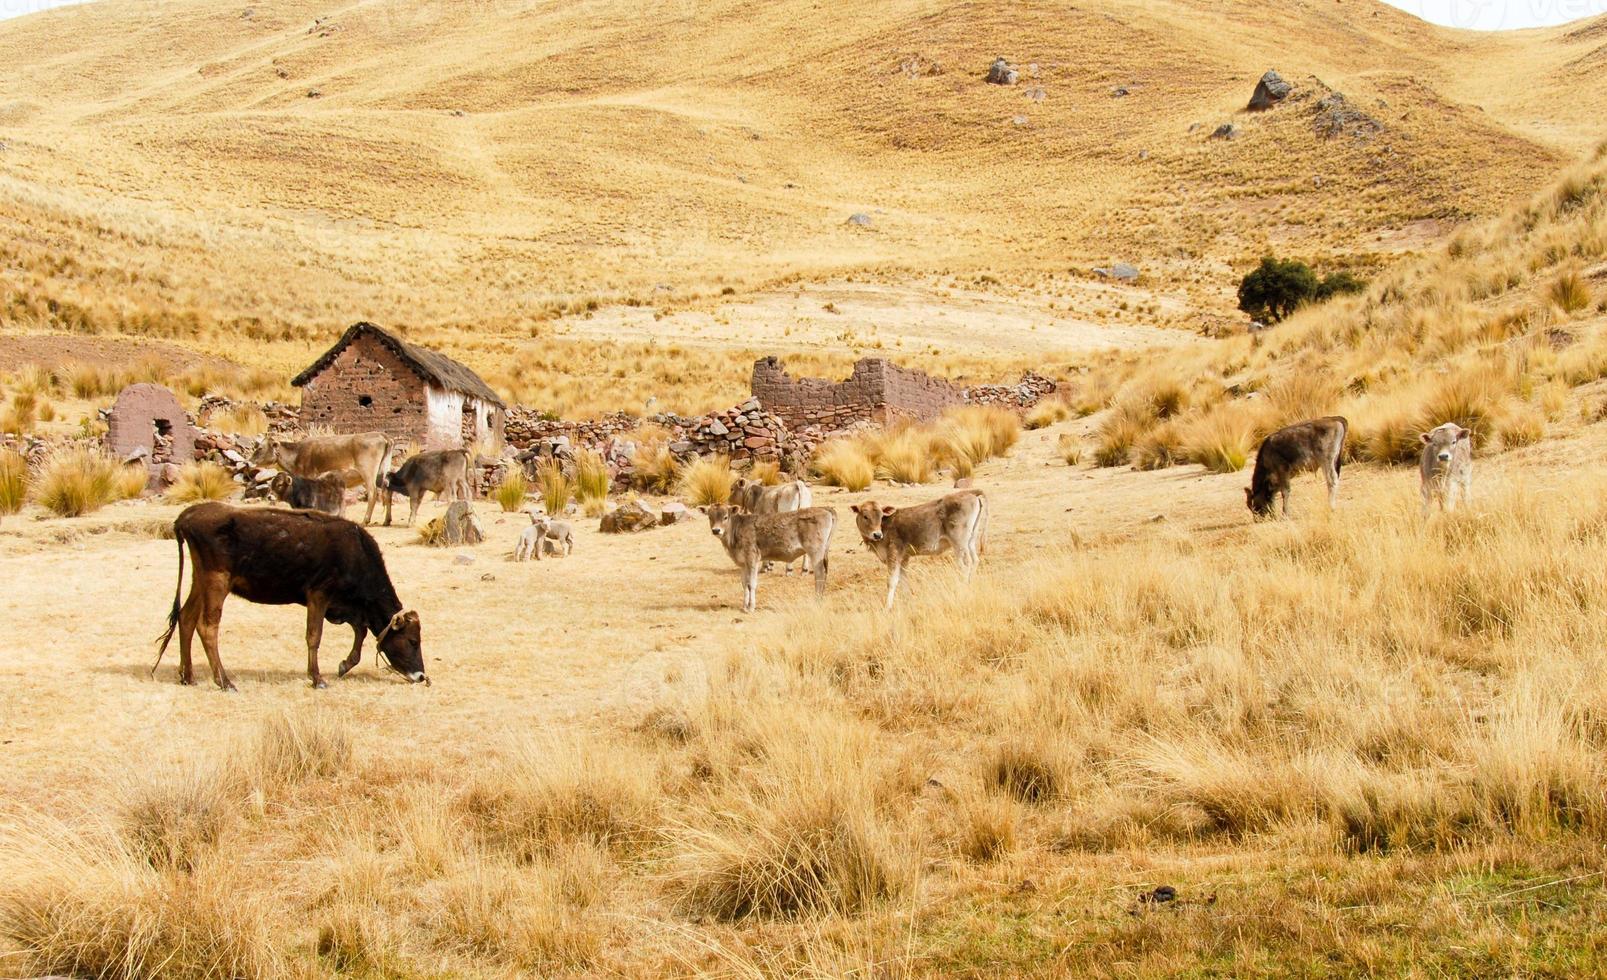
[1317, 444]
[325, 493]
[280, 557]
[440, 471]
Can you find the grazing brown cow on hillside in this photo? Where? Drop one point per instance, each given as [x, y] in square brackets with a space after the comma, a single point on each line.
[368, 453]
[1300, 448]
[278, 557]
[958, 520]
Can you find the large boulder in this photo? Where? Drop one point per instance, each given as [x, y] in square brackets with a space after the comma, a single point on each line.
[633, 515]
[461, 527]
[1271, 90]
[1000, 73]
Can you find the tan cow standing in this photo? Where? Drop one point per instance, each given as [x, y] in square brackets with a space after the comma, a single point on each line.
[368, 453]
[753, 539]
[894, 534]
[756, 498]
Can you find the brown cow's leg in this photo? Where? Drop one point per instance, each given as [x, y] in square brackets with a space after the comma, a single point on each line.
[215, 588]
[188, 617]
[415, 497]
[356, 655]
[372, 492]
[317, 605]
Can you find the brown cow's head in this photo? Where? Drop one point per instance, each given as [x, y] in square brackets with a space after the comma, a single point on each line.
[401, 647]
[267, 452]
[719, 519]
[1259, 500]
[869, 516]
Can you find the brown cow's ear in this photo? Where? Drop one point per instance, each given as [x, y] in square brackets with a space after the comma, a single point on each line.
[1463, 434]
[702, 509]
[1425, 438]
[888, 511]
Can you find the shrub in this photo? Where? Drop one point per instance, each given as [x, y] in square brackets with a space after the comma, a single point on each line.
[1569, 292]
[1276, 288]
[511, 491]
[1338, 284]
[1222, 441]
[1521, 427]
[19, 419]
[903, 455]
[201, 480]
[13, 481]
[707, 481]
[1070, 448]
[554, 486]
[304, 745]
[1047, 413]
[76, 482]
[844, 463]
[765, 471]
[591, 483]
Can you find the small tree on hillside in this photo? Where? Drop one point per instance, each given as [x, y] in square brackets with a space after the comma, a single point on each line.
[1276, 288]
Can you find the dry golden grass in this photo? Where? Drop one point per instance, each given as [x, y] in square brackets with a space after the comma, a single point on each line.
[202, 480]
[75, 482]
[511, 490]
[844, 463]
[555, 488]
[591, 483]
[707, 480]
[13, 481]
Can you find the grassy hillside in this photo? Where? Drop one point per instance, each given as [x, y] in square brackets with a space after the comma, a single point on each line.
[307, 163]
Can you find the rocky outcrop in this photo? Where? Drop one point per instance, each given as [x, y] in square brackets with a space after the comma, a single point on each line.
[1000, 73]
[1271, 90]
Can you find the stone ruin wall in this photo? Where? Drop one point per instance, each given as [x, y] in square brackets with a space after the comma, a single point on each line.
[877, 391]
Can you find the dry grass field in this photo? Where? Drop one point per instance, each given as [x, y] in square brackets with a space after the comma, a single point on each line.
[1151, 738]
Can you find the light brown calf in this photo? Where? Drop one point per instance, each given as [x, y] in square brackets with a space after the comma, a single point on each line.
[368, 453]
[958, 520]
[753, 539]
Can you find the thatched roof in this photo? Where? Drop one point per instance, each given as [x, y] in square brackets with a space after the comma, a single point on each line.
[437, 369]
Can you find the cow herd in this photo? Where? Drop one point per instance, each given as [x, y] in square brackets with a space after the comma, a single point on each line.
[334, 567]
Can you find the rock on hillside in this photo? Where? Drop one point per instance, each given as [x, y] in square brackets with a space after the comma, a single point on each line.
[1271, 90]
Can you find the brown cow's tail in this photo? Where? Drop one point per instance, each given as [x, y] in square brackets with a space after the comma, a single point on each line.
[173, 615]
[1344, 435]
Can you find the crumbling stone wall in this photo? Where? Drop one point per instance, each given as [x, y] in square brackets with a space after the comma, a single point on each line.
[368, 389]
[877, 391]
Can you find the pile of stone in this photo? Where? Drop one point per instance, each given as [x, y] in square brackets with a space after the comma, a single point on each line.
[234, 453]
[745, 431]
[1029, 391]
[281, 417]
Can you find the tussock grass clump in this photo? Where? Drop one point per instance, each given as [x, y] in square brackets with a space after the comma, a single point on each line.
[765, 471]
[543, 796]
[1047, 413]
[518, 916]
[1570, 292]
[707, 481]
[1159, 448]
[844, 463]
[75, 482]
[511, 490]
[988, 824]
[1118, 435]
[555, 488]
[20, 416]
[591, 483]
[174, 819]
[806, 854]
[1223, 440]
[77, 904]
[902, 455]
[131, 481]
[293, 746]
[201, 480]
[1521, 427]
[13, 481]
[1069, 448]
[1031, 771]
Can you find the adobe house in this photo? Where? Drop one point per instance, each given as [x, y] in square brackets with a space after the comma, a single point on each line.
[372, 380]
[148, 420]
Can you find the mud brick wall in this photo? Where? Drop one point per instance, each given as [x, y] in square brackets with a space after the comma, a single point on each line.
[368, 389]
[131, 423]
[877, 391]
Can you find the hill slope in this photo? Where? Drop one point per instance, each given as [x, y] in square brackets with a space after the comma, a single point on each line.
[307, 162]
